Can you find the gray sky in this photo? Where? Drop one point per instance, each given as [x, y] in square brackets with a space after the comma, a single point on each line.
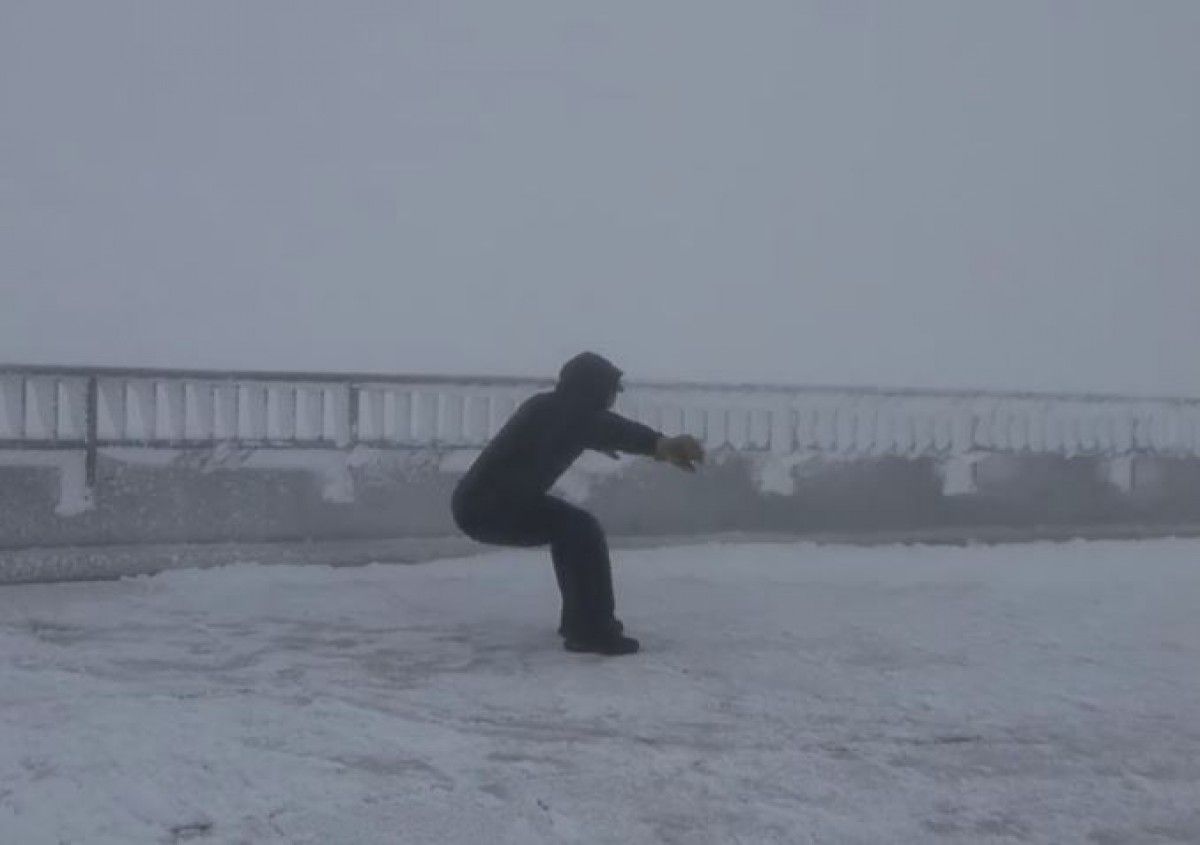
[959, 193]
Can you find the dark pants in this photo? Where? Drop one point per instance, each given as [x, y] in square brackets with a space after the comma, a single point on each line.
[577, 547]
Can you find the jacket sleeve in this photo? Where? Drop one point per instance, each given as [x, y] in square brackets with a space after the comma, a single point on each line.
[610, 432]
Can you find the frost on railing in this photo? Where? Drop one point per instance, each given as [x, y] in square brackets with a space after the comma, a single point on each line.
[183, 412]
[433, 415]
[73, 414]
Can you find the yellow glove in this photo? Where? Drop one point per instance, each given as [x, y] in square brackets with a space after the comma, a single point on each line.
[683, 451]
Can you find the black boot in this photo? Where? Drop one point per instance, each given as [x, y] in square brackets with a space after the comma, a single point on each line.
[610, 641]
[564, 629]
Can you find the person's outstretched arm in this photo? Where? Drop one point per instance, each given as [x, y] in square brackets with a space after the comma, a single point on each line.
[611, 433]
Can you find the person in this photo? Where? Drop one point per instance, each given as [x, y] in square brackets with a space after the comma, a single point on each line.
[504, 498]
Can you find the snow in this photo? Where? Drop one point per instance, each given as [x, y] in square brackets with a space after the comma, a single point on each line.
[787, 693]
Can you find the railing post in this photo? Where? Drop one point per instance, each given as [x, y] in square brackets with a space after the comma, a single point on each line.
[352, 391]
[91, 431]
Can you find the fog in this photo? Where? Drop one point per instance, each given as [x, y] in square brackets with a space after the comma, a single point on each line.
[999, 194]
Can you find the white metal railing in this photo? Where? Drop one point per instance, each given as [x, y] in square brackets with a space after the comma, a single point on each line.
[90, 409]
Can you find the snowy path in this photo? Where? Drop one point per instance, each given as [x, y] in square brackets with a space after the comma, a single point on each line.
[787, 694]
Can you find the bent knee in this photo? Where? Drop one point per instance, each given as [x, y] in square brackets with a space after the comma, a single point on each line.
[582, 524]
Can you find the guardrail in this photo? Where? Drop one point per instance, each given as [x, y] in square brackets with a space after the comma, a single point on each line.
[85, 410]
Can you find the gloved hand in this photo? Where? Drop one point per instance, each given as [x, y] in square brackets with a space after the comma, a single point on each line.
[683, 451]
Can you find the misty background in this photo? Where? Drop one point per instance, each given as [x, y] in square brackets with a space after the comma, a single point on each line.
[945, 193]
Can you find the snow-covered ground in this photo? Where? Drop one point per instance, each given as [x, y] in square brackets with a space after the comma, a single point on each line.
[786, 693]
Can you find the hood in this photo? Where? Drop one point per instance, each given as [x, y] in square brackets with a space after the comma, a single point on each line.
[590, 379]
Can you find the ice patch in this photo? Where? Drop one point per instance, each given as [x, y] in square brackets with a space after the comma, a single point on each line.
[959, 475]
[776, 474]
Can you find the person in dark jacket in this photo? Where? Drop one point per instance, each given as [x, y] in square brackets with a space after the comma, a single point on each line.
[504, 497]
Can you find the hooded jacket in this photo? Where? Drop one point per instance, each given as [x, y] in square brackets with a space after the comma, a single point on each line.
[549, 431]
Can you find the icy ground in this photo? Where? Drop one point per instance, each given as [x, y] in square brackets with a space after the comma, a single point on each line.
[786, 694]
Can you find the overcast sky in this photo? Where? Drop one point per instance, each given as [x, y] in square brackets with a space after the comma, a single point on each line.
[946, 193]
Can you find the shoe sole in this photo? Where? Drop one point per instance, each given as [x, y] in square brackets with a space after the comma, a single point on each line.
[586, 648]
